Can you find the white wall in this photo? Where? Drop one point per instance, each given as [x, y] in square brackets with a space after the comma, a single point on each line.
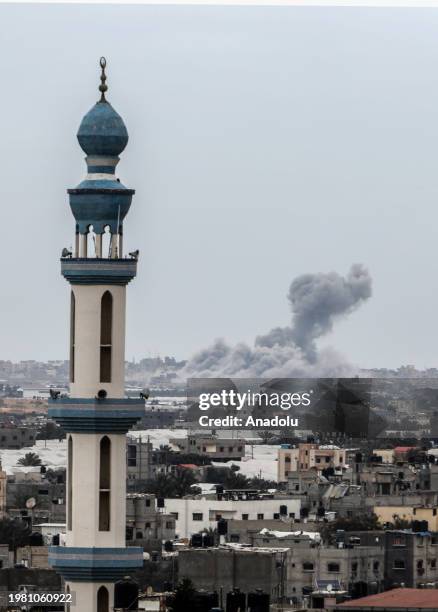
[87, 341]
[209, 508]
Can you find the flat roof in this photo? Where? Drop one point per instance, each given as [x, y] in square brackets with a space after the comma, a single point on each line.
[399, 599]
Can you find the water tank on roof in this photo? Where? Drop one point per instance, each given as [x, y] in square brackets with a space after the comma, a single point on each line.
[236, 601]
[196, 540]
[36, 539]
[205, 601]
[258, 601]
[126, 594]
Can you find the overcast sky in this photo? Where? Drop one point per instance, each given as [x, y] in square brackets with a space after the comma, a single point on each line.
[264, 143]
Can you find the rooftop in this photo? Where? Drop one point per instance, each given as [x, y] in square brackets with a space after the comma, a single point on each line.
[397, 599]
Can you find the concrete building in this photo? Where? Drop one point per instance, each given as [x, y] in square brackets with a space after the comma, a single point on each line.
[356, 563]
[405, 511]
[212, 446]
[147, 525]
[308, 456]
[229, 567]
[196, 514]
[411, 559]
[143, 461]
[16, 437]
[96, 415]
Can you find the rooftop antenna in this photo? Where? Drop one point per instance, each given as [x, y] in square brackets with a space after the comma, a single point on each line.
[103, 87]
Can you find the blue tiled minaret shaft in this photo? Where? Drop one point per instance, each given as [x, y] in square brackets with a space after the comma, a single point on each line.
[96, 415]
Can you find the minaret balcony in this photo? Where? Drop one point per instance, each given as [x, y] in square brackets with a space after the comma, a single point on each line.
[94, 564]
[93, 415]
[98, 271]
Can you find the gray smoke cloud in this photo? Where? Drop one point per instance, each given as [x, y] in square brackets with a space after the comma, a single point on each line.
[316, 301]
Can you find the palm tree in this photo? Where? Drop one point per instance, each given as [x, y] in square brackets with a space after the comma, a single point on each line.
[183, 481]
[29, 459]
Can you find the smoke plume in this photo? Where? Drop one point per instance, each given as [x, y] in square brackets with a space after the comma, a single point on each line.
[316, 302]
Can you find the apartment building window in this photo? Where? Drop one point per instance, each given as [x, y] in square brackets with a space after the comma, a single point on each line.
[333, 567]
[287, 459]
[197, 516]
[175, 515]
[245, 517]
[260, 517]
[221, 449]
[308, 567]
[132, 455]
[433, 563]
[399, 564]
[376, 566]
[399, 541]
[148, 503]
[240, 449]
[230, 448]
[169, 524]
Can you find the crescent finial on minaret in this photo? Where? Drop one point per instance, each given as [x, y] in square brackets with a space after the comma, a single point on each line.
[103, 87]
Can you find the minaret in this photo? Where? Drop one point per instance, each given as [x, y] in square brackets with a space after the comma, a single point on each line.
[96, 415]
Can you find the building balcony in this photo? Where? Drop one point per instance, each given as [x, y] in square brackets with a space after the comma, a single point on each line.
[98, 271]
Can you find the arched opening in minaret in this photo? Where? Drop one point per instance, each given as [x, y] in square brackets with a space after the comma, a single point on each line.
[72, 336]
[91, 242]
[69, 482]
[106, 242]
[102, 599]
[104, 484]
[106, 324]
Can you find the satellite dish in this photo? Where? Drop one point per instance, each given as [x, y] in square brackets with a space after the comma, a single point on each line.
[31, 503]
[329, 588]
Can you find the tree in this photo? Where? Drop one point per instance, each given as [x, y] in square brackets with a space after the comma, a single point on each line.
[30, 459]
[360, 522]
[51, 431]
[266, 435]
[183, 481]
[14, 533]
[184, 598]
[261, 484]
[172, 485]
[161, 485]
